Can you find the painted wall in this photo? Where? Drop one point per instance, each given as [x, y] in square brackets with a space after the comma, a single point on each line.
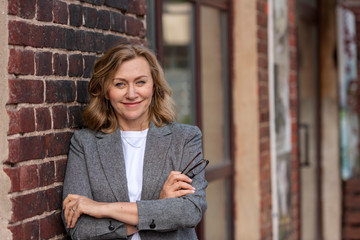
[253, 189]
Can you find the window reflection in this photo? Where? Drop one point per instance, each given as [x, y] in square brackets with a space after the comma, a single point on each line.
[178, 42]
[215, 106]
[214, 84]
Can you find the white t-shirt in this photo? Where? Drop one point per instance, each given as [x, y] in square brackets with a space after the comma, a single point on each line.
[133, 144]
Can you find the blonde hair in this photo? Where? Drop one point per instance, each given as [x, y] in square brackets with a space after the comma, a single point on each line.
[99, 115]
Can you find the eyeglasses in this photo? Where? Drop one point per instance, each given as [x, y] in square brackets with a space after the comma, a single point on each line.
[197, 168]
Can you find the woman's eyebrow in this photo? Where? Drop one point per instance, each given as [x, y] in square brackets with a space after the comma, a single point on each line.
[124, 79]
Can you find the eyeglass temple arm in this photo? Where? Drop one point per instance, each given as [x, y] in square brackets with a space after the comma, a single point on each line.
[190, 163]
[198, 164]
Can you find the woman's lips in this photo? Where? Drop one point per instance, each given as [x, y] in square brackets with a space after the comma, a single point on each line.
[132, 104]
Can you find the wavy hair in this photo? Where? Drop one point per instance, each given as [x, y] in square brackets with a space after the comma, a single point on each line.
[99, 115]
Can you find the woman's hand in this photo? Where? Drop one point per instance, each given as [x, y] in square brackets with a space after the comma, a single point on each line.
[130, 230]
[75, 205]
[176, 185]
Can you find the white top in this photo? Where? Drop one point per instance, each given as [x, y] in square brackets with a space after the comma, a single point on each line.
[133, 144]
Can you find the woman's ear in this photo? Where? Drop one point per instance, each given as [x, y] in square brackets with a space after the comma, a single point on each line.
[106, 95]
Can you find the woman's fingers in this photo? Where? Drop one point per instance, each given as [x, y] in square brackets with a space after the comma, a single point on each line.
[71, 209]
[70, 198]
[175, 176]
[182, 185]
[181, 193]
[75, 215]
[176, 185]
[70, 214]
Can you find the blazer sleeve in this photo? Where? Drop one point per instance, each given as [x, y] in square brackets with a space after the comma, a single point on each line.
[77, 182]
[174, 213]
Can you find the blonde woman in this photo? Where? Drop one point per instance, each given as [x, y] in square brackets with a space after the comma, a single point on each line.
[124, 176]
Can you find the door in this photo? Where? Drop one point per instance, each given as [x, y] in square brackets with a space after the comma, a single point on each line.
[308, 119]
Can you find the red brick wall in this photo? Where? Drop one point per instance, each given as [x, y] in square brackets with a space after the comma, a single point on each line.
[351, 187]
[265, 158]
[295, 161]
[265, 163]
[52, 46]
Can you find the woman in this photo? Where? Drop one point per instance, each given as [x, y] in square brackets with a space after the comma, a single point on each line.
[123, 178]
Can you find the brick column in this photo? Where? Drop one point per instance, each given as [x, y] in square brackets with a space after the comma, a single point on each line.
[52, 46]
[5, 205]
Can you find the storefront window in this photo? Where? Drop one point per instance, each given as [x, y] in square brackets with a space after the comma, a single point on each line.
[192, 43]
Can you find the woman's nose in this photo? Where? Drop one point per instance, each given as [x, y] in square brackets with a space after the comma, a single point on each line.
[131, 92]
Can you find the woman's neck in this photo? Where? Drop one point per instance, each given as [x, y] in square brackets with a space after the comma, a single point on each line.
[133, 126]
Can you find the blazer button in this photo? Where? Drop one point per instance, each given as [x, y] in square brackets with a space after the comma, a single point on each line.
[152, 224]
[111, 227]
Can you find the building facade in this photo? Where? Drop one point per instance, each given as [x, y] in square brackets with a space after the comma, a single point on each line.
[260, 78]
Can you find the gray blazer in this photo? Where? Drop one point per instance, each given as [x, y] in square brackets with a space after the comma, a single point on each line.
[96, 169]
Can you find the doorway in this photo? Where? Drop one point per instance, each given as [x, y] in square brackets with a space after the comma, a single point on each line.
[309, 119]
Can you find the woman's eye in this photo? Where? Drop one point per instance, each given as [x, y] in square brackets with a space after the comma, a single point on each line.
[141, 82]
[119, 84]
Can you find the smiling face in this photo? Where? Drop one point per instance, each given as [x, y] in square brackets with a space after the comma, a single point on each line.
[130, 93]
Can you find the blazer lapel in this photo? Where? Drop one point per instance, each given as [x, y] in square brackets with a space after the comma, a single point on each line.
[157, 145]
[112, 159]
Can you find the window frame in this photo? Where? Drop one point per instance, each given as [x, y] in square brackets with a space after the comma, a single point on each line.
[225, 169]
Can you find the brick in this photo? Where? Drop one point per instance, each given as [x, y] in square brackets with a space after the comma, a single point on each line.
[69, 39]
[60, 91]
[60, 169]
[262, 19]
[21, 62]
[75, 12]
[13, 7]
[52, 143]
[51, 225]
[99, 42]
[27, 206]
[59, 116]
[26, 91]
[94, 2]
[137, 7]
[112, 40]
[134, 27]
[15, 32]
[23, 178]
[85, 41]
[60, 12]
[24, 34]
[27, 230]
[37, 36]
[43, 61]
[26, 148]
[54, 196]
[55, 37]
[27, 9]
[32, 204]
[119, 4]
[60, 64]
[46, 174]
[45, 10]
[117, 22]
[103, 20]
[75, 65]
[75, 116]
[89, 62]
[43, 119]
[21, 121]
[90, 17]
[82, 92]
[138, 41]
